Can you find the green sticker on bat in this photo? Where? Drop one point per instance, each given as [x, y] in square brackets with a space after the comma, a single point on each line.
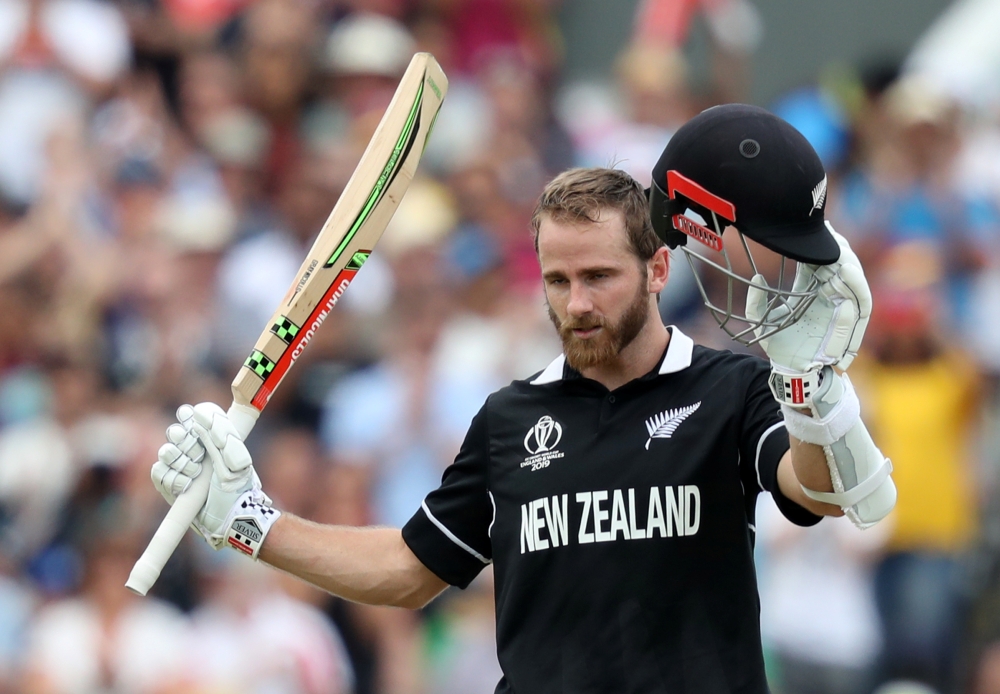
[357, 260]
[285, 329]
[259, 364]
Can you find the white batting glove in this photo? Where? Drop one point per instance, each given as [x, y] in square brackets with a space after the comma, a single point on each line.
[178, 461]
[830, 331]
[237, 511]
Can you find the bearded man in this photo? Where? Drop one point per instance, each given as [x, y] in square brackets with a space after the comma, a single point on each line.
[614, 491]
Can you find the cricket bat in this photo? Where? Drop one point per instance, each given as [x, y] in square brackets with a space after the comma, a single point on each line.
[344, 243]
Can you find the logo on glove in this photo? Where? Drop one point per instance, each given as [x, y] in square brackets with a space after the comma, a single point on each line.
[244, 532]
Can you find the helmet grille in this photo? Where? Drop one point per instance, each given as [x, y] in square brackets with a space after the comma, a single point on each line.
[749, 148]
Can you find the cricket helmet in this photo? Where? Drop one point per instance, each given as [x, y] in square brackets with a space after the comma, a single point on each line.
[741, 170]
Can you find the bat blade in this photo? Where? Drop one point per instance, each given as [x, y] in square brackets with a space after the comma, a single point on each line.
[355, 225]
[351, 232]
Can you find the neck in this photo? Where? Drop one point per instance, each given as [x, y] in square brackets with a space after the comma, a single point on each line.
[637, 359]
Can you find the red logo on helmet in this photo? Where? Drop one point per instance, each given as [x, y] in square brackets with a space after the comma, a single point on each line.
[679, 183]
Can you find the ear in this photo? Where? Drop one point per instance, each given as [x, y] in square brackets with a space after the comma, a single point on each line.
[658, 270]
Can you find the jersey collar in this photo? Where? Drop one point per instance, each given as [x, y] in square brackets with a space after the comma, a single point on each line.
[677, 358]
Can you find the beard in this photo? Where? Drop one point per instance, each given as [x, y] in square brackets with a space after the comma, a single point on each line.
[610, 341]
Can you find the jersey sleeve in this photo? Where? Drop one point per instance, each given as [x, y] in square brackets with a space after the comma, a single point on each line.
[449, 533]
[763, 442]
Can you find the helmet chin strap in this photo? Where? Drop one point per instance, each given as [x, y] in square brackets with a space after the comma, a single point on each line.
[784, 306]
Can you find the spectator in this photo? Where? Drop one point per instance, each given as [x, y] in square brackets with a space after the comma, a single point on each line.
[107, 638]
[653, 80]
[463, 657]
[825, 572]
[905, 191]
[17, 606]
[250, 636]
[56, 57]
[426, 408]
[920, 396]
[37, 469]
[278, 38]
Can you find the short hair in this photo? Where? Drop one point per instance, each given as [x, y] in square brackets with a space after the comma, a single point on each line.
[579, 195]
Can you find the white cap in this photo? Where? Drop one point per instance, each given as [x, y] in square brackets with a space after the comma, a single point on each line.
[237, 136]
[369, 44]
[914, 99]
[202, 222]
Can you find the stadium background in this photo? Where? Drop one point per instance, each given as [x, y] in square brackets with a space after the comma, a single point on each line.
[164, 165]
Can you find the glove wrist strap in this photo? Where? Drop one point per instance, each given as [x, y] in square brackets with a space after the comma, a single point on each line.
[794, 389]
[835, 409]
[249, 522]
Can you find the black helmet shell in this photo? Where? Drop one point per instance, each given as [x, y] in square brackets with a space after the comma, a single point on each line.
[760, 175]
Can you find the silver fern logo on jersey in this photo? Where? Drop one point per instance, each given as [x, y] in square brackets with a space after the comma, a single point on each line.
[541, 441]
[663, 425]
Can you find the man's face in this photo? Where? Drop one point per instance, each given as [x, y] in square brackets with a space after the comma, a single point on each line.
[596, 288]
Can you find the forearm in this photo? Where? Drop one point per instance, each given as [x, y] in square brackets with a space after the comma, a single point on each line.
[833, 432]
[367, 565]
[805, 465]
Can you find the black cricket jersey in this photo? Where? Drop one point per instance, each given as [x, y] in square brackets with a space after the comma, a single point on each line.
[619, 524]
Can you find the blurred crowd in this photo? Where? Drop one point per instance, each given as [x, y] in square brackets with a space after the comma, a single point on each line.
[164, 166]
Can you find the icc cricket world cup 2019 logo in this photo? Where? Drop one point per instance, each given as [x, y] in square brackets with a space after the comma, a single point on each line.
[539, 438]
[541, 441]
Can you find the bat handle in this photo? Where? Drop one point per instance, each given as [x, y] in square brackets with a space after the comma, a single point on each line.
[168, 535]
[180, 516]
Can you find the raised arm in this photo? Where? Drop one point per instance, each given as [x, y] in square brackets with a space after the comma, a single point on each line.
[833, 461]
[805, 465]
[367, 565]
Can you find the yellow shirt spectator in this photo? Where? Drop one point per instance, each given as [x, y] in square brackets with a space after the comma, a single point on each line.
[920, 415]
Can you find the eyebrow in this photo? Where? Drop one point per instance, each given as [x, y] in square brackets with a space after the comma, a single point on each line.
[552, 274]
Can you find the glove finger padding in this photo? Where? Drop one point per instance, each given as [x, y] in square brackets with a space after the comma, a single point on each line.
[757, 298]
[186, 442]
[845, 290]
[173, 458]
[173, 472]
[759, 306]
[213, 420]
[841, 307]
[854, 279]
[167, 483]
[231, 463]
[803, 276]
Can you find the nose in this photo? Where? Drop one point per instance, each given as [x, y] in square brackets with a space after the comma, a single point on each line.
[579, 300]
